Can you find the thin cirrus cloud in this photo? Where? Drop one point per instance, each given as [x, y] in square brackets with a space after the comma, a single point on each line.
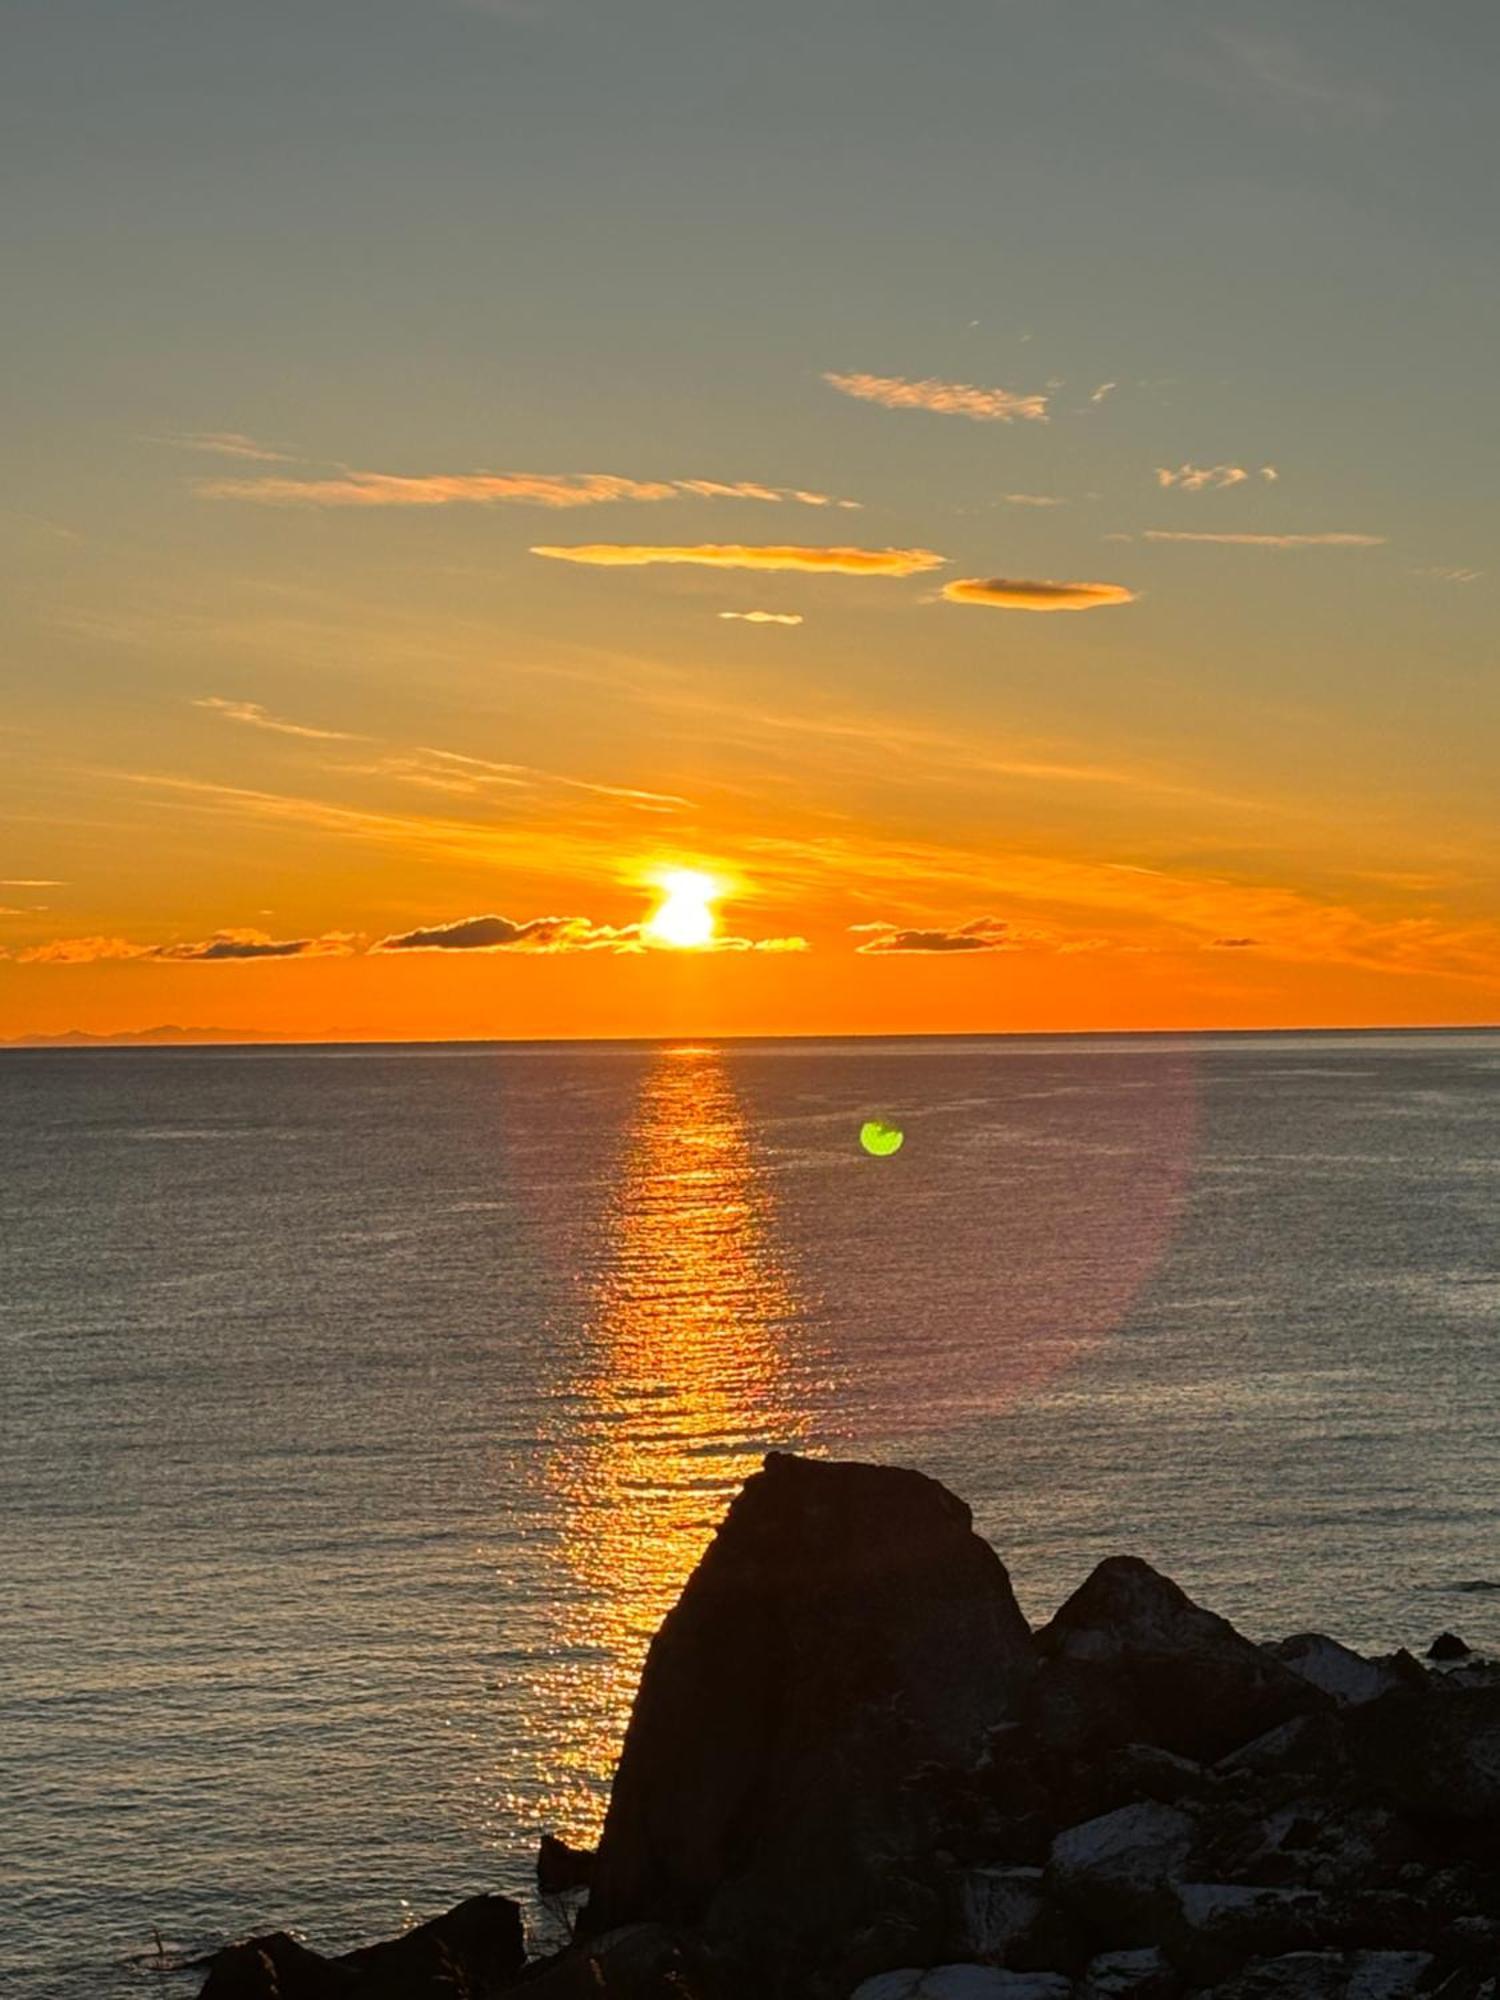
[943, 399]
[1325, 541]
[254, 716]
[1007, 593]
[549, 936]
[351, 488]
[1032, 500]
[226, 947]
[737, 555]
[1212, 478]
[228, 444]
[763, 617]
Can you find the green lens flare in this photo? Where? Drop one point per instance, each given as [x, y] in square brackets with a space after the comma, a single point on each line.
[880, 1139]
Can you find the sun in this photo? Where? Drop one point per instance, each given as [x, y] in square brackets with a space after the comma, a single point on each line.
[685, 917]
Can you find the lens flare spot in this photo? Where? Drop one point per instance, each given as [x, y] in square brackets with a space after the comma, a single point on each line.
[881, 1139]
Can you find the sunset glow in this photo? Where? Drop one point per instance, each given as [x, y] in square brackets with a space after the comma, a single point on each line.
[685, 916]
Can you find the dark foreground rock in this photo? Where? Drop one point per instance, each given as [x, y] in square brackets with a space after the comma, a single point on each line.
[845, 1629]
[852, 1771]
[477, 1949]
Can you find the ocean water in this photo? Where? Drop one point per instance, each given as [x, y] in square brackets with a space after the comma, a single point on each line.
[361, 1411]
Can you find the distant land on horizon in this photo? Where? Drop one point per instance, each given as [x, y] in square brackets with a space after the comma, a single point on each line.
[169, 1033]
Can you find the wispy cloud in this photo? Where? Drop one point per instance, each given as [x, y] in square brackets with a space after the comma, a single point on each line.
[351, 488]
[227, 444]
[1448, 573]
[1005, 593]
[255, 717]
[1325, 541]
[1211, 478]
[764, 617]
[553, 935]
[1032, 500]
[944, 399]
[1104, 389]
[222, 948]
[30, 882]
[456, 771]
[735, 555]
[1276, 68]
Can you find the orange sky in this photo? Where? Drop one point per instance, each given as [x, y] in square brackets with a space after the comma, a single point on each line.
[1004, 543]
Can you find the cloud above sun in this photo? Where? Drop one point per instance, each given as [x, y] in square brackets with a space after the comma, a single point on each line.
[1324, 541]
[1007, 593]
[351, 488]
[738, 555]
[944, 399]
[1211, 478]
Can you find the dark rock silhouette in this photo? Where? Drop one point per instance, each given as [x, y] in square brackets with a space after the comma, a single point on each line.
[851, 1771]
[1448, 1646]
[1138, 1660]
[475, 1950]
[561, 1868]
[845, 1628]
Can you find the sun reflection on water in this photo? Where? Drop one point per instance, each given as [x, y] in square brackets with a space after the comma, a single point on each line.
[689, 1379]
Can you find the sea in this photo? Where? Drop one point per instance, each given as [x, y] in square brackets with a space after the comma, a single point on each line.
[363, 1409]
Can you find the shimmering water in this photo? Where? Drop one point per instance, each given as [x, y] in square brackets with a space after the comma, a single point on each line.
[362, 1411]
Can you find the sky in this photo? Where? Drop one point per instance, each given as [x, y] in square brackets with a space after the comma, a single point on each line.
[1005, 489]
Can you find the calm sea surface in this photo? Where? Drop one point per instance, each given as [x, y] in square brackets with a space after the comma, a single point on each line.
[361, 1411]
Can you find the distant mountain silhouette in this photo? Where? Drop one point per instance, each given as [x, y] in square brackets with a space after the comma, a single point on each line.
[75, 1038]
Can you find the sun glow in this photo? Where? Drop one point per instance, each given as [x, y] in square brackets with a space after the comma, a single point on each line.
[685, 917]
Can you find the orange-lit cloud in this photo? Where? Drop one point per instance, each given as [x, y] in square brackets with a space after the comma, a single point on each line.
[983, 934]
[764, 617]
[1210, 478]
[1032, 500]
[558, 934]
[256, 717]
[1326, 541]
[223, 948]
[736, 555]
[945, 399]
[1007, 593]
[487, 489]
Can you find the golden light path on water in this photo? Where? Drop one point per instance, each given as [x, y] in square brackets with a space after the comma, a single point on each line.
[690, 1378]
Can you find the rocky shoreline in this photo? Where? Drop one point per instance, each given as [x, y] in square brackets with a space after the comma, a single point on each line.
[853, 1772]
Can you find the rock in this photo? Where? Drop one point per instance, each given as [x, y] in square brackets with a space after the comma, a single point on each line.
[996, 1909]
[1129, 1975]
[1309, 1745]
[845, 1627]
[1332, 1975]
[1214, 1927]
[1110, 1870]
[1435, 1754]
[1347, 1677]
[1448, 1646]
[475, 1949]
[1189, 1682]
[560, 1867]
[1142, 1771]
[637, 1962]
[964, 1982]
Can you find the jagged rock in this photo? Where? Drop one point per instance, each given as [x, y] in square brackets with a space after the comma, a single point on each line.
[1332, 1975]
[560, 1867]
[1436, 1754]
[1311, 1746]
[845, 1627]
[1139, 1648]
[1129, 1975]
[995, 1909]
[963, 1982]
[636, 1962]
[1213, 1927]
[473, 1950]
[1110, 1870]
[1448, 1646]
[1346, 1676]
[1142, 1771]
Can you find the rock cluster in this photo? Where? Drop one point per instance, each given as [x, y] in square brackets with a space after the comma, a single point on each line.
[853, 1773]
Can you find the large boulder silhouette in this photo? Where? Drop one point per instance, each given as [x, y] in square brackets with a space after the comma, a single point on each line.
[844, 1629]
